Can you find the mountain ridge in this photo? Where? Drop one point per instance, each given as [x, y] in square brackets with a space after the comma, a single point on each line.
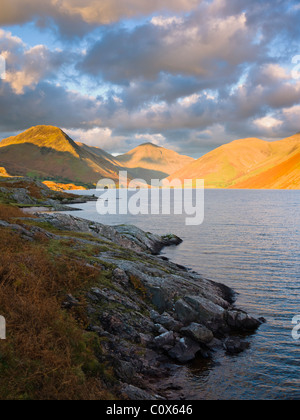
[248, 163]
[149, 161]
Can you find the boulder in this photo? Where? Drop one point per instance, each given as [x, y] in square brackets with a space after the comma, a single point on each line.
[168, 322]
[234, 345]
[136, 394]
[185, 313]
[205, 309]
[198, 333]
[185, 350]
[164, 340]
[238, 320]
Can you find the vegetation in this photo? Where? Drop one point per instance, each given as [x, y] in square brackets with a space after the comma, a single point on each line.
[48, 354]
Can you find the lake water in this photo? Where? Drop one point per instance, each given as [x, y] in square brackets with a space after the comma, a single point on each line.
[250, 241]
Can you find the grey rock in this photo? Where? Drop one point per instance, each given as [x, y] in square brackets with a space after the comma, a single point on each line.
[121, 276]
[185, 312]
[160, 329]
[168, 322]
[206, 310]
[165, 339]
[136, 394]
[198, 333]
[238, 320]
[185, 350]
[234, 345]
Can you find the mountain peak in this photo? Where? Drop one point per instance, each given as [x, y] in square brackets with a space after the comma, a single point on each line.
[149, 145]
[44, 136]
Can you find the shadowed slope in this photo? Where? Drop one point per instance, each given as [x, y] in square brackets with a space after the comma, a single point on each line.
[48, 153]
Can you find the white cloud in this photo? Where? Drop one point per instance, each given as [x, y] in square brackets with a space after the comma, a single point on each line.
[189, 100]
[268, 122]
[26, 67]
[166, 21]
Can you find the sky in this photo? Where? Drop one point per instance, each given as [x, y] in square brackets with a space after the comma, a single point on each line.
[189, 75]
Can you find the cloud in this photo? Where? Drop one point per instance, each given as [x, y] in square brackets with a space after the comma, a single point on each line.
[91, 12]
[210, 48]
[26, 67]
[190, 81]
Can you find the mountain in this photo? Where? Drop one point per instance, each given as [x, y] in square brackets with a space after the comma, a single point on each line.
[153, 162]
[47, 152]
[248, 164]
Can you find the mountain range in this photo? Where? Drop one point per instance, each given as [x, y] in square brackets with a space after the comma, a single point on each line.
[47, 153]
[248, 164]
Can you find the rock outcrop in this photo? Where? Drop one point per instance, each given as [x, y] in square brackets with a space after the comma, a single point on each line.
[148, 311]
[153, 304]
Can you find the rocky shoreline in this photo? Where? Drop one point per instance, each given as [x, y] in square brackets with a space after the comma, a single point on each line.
[151, 315]
[157, 312]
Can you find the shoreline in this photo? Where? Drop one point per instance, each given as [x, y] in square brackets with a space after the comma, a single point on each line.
[150, 315]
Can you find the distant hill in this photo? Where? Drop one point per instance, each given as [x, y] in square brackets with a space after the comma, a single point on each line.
[149, 161]
[49, 153]
[248, 164]
[4, 173]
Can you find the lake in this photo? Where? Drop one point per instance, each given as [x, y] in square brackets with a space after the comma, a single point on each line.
[250, 241]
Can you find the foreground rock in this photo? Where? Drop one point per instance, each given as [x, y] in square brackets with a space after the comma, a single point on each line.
[26, 192]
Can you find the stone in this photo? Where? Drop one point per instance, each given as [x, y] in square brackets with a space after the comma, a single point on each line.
[185, 313]
[234, 345]
[160, 329]
[70, 302]
[198, 333]
[168, 322]
[238, 320]
[205, 309]
[121, 276]
[185, 350]
[166, 339]
[136, 394]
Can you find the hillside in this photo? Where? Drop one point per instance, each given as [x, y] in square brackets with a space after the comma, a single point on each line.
[48, 153]
[4, 173]
[153, 162]
[248, 164]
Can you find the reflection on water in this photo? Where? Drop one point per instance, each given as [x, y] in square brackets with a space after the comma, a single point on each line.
[250, 242]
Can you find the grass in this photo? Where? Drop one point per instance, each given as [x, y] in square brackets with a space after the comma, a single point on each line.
[8, 213]
[48, 355]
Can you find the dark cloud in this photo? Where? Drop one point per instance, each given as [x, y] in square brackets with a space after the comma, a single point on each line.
[46, 104]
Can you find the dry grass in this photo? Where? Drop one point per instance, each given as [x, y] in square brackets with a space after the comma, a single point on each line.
[8, 213]
[47, 354]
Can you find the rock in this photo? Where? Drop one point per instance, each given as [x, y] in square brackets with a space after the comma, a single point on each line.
[154, 316]
[146, 339]
[205, 309]
[168, 322]
[185, 313]
[160, 329]
[121, 276]
[125, 371]
[234, 345]
[171, 240]
[185, 350]
[70, 302]
[136, 394]
[166, 339]
[198, 333]
[238, 320]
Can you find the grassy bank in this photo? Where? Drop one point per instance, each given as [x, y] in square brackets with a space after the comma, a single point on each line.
[48, 354]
